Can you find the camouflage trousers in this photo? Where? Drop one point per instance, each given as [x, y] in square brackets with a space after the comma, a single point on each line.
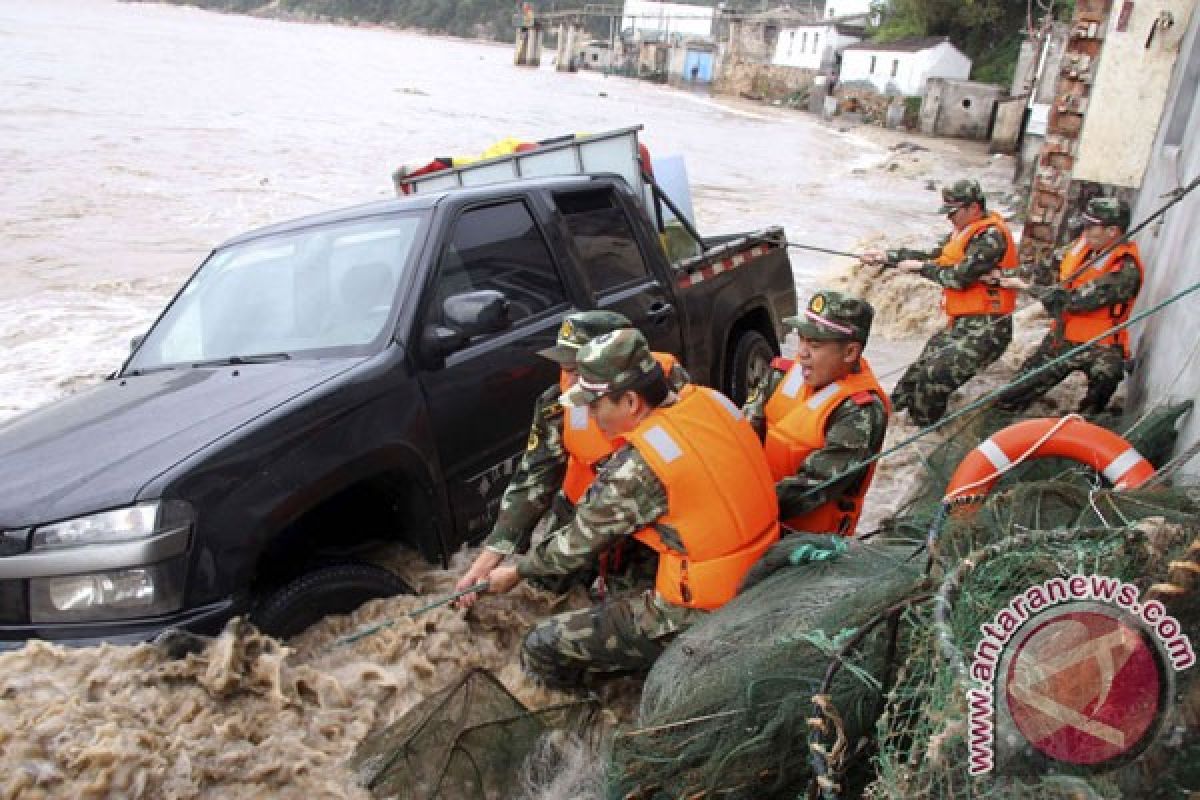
[1104, 366]
[622, 636]
[950, 358]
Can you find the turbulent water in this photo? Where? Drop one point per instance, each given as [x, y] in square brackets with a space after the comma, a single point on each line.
[136, 137]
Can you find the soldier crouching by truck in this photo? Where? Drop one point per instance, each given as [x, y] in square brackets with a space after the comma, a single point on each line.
[563, 450]
[690, 482]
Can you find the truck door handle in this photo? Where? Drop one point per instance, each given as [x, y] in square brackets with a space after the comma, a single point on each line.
[660, 312]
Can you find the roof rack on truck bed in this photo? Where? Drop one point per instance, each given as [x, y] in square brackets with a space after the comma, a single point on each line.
[616, 151]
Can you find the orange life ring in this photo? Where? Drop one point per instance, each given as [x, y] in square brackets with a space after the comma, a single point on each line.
[1070, 437]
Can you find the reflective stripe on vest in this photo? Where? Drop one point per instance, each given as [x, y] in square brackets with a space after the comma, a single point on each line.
[796, 429]
[1082, 326]
[720, 497]
[586, 444]
[978, 298]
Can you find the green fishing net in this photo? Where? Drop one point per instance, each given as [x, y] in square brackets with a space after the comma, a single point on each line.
[467, 742]
[831, 673]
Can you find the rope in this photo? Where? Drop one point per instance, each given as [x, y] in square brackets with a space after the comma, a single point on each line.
[1176, 196]
[370, 630]
[995, 393]
[1173, 466]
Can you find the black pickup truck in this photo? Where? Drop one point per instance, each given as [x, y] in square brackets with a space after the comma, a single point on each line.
[324, 385]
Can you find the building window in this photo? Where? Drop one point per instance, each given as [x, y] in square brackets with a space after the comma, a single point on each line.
[831, 14]
[872, 65]
[770, 33]
[803, 42]
[895, 66]
[816, 38]
[791, 41]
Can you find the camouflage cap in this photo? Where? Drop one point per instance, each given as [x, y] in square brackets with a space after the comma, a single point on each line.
[610, 363]
[1107, 211]
[961, 193]
[580, 328]
[834, 316]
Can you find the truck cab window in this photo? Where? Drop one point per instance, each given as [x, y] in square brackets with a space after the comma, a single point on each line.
[499, 247]
[603, 238]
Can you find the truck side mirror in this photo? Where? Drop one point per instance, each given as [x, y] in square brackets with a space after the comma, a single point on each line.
[477, 313]
[466, 315]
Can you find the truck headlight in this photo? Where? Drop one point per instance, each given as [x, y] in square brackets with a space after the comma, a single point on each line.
[116, 594]
[107, 527]
[118, 564]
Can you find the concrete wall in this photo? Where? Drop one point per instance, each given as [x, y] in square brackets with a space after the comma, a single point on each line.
[1007, 129]
[648, 16]
[1111, 151]
[1166, 344]
[904, 73]
[810, 46]
[596, 56]
[961, 109]
[763, 81]
[1039, 83]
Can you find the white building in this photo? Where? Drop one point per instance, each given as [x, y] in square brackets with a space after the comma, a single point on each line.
[903, 66]
[847, 8]
[653, 20]
[814, 46]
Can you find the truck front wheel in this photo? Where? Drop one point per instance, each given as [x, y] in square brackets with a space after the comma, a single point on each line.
[749, 363]
[337, 589]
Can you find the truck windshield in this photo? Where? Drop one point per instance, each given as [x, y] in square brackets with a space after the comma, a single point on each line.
[292, 295]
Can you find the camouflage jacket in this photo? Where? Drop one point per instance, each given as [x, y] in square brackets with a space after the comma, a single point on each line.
[1108, 290]
[984, 252]
[854, 434]
[539, 475]
[625, 497]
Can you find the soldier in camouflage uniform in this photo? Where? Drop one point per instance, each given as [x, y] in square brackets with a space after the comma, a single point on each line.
[622, 386]
[534, 494]
[980, 328]
[1099, 281]
[833, 331]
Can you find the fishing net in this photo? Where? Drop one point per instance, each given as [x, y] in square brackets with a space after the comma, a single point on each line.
[832, 672]
[466, 742]
[1150, 538]
[1153, 435]
[724, 709]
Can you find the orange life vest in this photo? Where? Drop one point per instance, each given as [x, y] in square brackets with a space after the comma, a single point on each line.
[1081, 326]
[796, 421]
[978, 298]
[720, 497]
[585, 443]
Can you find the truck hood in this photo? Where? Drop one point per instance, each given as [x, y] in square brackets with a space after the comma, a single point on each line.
[97, 449]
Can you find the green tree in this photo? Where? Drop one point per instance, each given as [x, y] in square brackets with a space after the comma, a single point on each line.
[988, 31]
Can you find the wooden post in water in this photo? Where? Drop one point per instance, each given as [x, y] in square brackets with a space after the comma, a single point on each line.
[529, 38]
